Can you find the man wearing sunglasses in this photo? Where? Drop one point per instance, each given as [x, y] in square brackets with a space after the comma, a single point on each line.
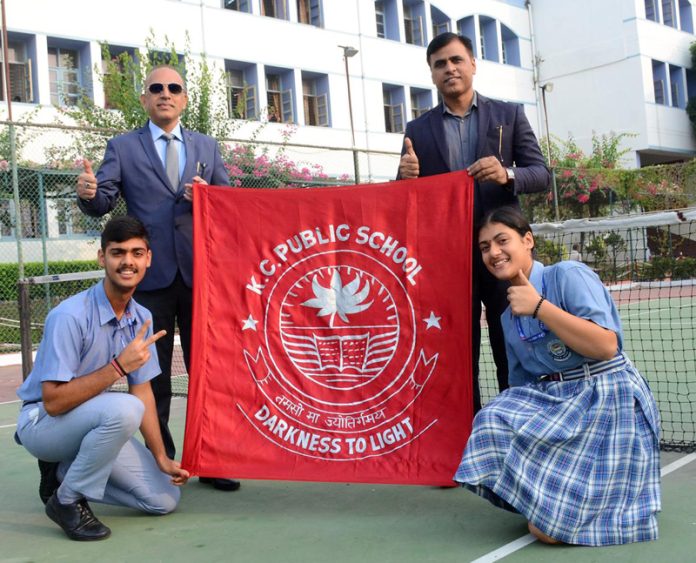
[153, 169]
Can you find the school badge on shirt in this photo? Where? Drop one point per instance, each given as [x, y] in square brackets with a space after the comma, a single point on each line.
[558, 350]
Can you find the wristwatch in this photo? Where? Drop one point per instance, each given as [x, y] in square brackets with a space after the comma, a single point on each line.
[510, 174]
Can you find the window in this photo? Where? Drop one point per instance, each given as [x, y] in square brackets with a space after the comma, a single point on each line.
[237, 5]
[686, 16]
[677, 87]
[379, 18]
[510, 43]
[274, 9]
[393, 108]
[441, 23]
[488, 43]
[659, 81]
[421, 101]
[279, 98]
[690, 83]
[21, 86]
[659, 86]
[118, 69]
[387, 19]
[668, 13]
[651, 10]
[315, 100]
[70, 220]
[467, 27]
[168, 58]
[6, 218]
[64, 76]
[413, 23]
[241, 92]
[309, 11]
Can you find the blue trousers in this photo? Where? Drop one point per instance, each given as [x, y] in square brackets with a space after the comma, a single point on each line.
[99, 457]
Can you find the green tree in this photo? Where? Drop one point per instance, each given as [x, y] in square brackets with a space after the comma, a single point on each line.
[691, 104]
[586, 184]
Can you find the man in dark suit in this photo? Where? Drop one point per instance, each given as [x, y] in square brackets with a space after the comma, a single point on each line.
[495, 143]
[153, 168]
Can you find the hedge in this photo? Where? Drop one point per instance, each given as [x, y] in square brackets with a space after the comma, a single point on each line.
[9, 276]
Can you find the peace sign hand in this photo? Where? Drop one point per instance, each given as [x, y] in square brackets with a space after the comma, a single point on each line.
[137, 353]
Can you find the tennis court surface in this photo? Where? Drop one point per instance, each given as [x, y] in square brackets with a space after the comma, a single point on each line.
[276, 521]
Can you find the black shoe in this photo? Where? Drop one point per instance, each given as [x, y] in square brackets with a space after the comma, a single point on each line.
[49, 479]
[221, 484]
[77, 520]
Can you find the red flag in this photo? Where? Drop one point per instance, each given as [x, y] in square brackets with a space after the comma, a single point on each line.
[332, 332]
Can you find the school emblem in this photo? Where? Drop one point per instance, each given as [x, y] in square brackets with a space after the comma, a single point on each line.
[558, 350]
[335, 348]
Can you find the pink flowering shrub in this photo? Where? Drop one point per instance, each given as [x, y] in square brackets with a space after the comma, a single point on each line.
[248, 169]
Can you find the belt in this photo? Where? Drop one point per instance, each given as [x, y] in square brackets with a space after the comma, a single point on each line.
[587, 369]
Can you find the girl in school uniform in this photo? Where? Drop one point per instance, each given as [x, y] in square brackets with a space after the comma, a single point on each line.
[573, 444]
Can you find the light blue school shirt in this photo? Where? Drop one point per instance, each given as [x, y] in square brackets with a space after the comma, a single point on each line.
[573, 287]
[82, 335]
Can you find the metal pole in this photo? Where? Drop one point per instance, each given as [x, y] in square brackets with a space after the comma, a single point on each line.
[356, 166]
[556, 213]
[25, 328]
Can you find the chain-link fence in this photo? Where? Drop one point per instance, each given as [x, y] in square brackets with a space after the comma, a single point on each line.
[42, 231]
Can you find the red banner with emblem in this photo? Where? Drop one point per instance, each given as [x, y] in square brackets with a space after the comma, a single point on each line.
[332, 332]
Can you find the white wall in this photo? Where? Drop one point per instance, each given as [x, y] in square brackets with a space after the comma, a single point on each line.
[598, 55]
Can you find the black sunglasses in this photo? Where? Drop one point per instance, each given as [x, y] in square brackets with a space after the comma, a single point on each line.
[158, 88]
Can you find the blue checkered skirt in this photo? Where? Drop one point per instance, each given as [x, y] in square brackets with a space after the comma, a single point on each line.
[579, 459]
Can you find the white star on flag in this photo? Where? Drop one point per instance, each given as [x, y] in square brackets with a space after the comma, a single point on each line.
[249, 323]
[432, 321]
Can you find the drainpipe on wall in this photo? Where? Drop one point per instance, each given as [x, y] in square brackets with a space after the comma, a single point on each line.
[535, 64]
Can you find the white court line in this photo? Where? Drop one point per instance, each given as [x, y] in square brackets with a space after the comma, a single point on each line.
[524, 541]
[506, 550]
[8, 426]
[9, 402]
[667, 469]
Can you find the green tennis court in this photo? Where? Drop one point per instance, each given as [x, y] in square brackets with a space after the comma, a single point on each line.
[278, 521]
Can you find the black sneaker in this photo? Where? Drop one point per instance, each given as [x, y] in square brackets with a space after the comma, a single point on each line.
[49, 479]
[77, 520]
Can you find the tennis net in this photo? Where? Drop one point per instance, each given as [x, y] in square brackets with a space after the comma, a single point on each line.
[648, 262]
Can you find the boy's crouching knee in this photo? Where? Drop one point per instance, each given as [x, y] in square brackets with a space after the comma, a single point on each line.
[162, 503]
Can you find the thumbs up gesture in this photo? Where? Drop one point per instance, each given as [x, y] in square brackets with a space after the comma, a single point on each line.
[87, 182]
[408, 165]
[522, 295]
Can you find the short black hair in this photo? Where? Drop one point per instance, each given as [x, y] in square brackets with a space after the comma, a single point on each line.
[445, 39]
[123, 228]
[509, 216]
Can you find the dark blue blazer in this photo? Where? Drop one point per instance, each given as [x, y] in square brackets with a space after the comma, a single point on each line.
[133, 170]
[519, 148]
